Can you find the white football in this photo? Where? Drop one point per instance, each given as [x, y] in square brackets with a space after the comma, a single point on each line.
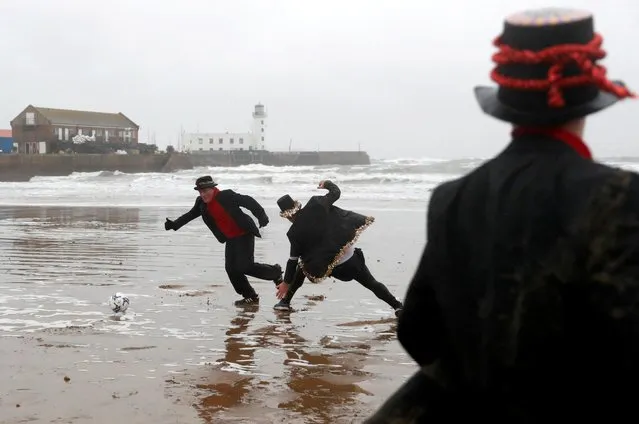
[118, 303]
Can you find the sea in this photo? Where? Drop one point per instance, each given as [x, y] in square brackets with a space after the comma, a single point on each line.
[384, 182]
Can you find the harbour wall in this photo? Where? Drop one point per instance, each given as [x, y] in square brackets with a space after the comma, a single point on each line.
[17, 167]
[246, 157]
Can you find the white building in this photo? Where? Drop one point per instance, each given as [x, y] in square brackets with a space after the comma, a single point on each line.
[250, 140]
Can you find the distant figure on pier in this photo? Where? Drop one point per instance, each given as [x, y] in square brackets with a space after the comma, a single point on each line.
[525, 305]
[220, 211]
[323, 238]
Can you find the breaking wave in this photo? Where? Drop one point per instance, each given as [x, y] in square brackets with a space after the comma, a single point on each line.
[407, 179]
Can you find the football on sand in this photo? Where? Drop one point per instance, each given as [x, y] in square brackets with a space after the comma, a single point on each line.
[118, 303]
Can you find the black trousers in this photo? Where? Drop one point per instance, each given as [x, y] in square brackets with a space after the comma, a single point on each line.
[353, 269]
[240, 261]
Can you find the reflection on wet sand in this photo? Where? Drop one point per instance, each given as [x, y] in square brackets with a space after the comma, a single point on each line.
[64, 243]
[325, 384]
[230, 387]
[60, 266]
[313, 386]
[57, 216]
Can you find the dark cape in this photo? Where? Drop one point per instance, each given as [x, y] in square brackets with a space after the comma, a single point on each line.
[231, 202]
[322, 232]
[524, 306]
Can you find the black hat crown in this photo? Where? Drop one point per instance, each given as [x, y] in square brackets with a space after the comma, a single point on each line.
[288, 206]
[285, 203]
[547, 69]
[204, 182]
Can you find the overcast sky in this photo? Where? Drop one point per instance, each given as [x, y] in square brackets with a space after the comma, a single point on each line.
[394, 76]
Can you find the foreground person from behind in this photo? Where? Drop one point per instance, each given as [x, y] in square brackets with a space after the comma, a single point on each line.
[220, 211]
[323, 238]
[525, 303]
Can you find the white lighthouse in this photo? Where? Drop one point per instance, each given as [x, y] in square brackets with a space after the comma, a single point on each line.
[259, 128]
[248, 140]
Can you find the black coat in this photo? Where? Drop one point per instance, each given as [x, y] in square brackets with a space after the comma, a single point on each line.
[527, 291]
[320, 234]
[231, 202]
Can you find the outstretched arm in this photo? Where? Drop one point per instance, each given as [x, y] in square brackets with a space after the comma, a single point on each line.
[252, 205]
[333, 194]
[186, 218]
[291, 264]
[298, 280]
[293, 277]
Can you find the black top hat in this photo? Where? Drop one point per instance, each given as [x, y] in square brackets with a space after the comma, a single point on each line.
[547, 70]
[204, 182]
[288, 206]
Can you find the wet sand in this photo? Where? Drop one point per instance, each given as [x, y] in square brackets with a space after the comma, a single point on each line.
[183, 353]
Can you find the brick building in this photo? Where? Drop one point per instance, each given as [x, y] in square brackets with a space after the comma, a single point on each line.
[35, 128]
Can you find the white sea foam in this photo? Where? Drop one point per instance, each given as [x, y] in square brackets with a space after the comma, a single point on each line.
[383, 181]
[400, 179]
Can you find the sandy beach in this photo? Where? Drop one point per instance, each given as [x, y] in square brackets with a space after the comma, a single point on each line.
[183, 353]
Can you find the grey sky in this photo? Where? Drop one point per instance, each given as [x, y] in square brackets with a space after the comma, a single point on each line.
[395, 76]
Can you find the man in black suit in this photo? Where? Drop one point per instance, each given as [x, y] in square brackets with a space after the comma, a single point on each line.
[220, 211]
[525, 305]
[323, 238]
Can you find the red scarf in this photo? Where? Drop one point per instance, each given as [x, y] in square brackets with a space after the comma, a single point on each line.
[566, 137]
[223, 219]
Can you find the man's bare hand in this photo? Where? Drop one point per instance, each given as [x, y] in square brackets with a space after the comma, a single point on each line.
[282, 289]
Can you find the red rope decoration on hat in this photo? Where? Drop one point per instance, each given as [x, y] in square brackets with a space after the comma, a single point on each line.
[558, 57]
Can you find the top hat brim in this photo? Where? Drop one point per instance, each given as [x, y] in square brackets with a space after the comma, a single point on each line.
[491, 105]
[205, 185]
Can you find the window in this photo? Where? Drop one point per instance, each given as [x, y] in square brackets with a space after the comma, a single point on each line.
[200, 149]
[30, 118]
[221, 148]
[211, 141]
[211, 148]
[262, 129]
[262, 138]
[98, 132]
[241, 141]
[231, 141]
[262, 122]
[241, 148]
[220, 141]
[200, 141]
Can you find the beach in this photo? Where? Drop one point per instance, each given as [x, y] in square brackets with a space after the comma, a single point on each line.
[183, 353]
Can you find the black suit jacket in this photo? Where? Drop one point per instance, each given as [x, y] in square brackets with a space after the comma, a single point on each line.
[527, 293]
[319, 234]
[231, 202]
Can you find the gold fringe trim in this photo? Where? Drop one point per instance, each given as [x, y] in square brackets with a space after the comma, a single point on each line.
[369, 220]
[292, 211]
